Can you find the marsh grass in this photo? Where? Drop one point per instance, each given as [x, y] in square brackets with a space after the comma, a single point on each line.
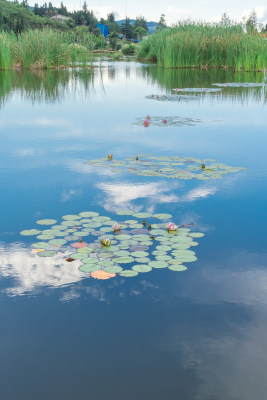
[200, 45]
[41, 49]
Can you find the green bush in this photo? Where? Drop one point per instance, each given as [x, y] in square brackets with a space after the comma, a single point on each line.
[129, 49]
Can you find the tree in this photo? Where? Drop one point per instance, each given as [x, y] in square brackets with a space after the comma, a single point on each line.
[113, 40]
[140, 22]
[127, 29]
[252, 22]
[111, 17]
[225, 20]
[140, 32]
[162, 22]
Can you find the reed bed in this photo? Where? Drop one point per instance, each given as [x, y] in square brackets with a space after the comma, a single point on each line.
[40, 49]
[200, 45]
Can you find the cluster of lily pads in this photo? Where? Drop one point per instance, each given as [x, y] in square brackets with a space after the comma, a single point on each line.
[170, 97]
[239, 84]
[162, 121]
[139, 241]
[197, 90]
[168, 167]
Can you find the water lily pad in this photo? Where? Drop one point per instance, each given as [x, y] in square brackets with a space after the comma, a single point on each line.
[85, 250]
[124, 260]
[143, 260]
[39, 245]
[162, 216]
[46, 221]
[124, 237]
[45, 237]
[139, 254]
[90, 260]
[71, 217]
[141, 268]
[57, 242]
[113, 269]
[163, 248]
[127, 273]
[88, 214]
[163, 258]
[48, 253]
[89, 267]
[177, 267]
[196, 234]
[70, 223]
[30, 232]
[142, 215]
[103, 275]
[122, 253]
[158, 264]
[124, 212]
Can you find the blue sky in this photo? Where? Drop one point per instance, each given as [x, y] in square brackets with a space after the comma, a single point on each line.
[173, 9]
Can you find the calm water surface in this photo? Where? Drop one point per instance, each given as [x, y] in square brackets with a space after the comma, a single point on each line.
[193, 335]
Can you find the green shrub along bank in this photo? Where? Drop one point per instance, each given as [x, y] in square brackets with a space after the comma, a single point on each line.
[201, 45]
[44, 49]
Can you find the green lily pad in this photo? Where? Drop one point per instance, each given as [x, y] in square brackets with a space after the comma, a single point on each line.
[128, 273]
[46, 221]
[177, 267]
[88, 214]
[45, 237]
[90, 260]
[139, 254]
[122, 253]
[163, 258]
[143, 260]
[124, 260]
[142, 215]
[78, 256]
[196, 234]
[158, 264]
[141, 268]
[40, 245]
[113, 269]
[48, 253]
[71, 217]
[85, 250]
[58, 242]
[89, 267]
[30, 232]
[124, 212]
[162, 216]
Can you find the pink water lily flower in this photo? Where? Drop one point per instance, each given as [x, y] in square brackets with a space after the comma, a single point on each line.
[171, 227]
[110, 156]
[106, 242]
[148, 117]
[116, 227]
[164, 121]
[146, 123]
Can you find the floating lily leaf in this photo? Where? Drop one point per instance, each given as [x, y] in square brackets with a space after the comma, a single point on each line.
[88, 214]
[177, 267]
[103, 275]
[46, 221]
[90, 260]
[142, 215]
[143, 260]
[48, 253]
[124, 260]
[71, 217]
[57, 242]
[122, 253]
[124, 212]
[196, 234]
[89, 267]
[30, 232]
[40, 245]
[79, 245]
[45, 237]
[158, 264]
[139, 254]
[113, 269]
[85, 250]
[128, 273]
[163, 258]
[162, 216]
[142, 268]
[70, 223]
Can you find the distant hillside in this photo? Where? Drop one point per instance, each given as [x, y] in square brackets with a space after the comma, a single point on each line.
[151, 25]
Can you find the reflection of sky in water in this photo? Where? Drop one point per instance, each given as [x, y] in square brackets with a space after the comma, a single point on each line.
[197, 335]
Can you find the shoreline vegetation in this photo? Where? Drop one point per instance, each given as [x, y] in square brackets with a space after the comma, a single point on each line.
[203, 45]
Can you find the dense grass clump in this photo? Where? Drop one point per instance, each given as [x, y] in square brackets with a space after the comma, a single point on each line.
[41, 49]
[206, 45]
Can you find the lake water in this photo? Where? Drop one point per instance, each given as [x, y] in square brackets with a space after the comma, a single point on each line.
[199, 334]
